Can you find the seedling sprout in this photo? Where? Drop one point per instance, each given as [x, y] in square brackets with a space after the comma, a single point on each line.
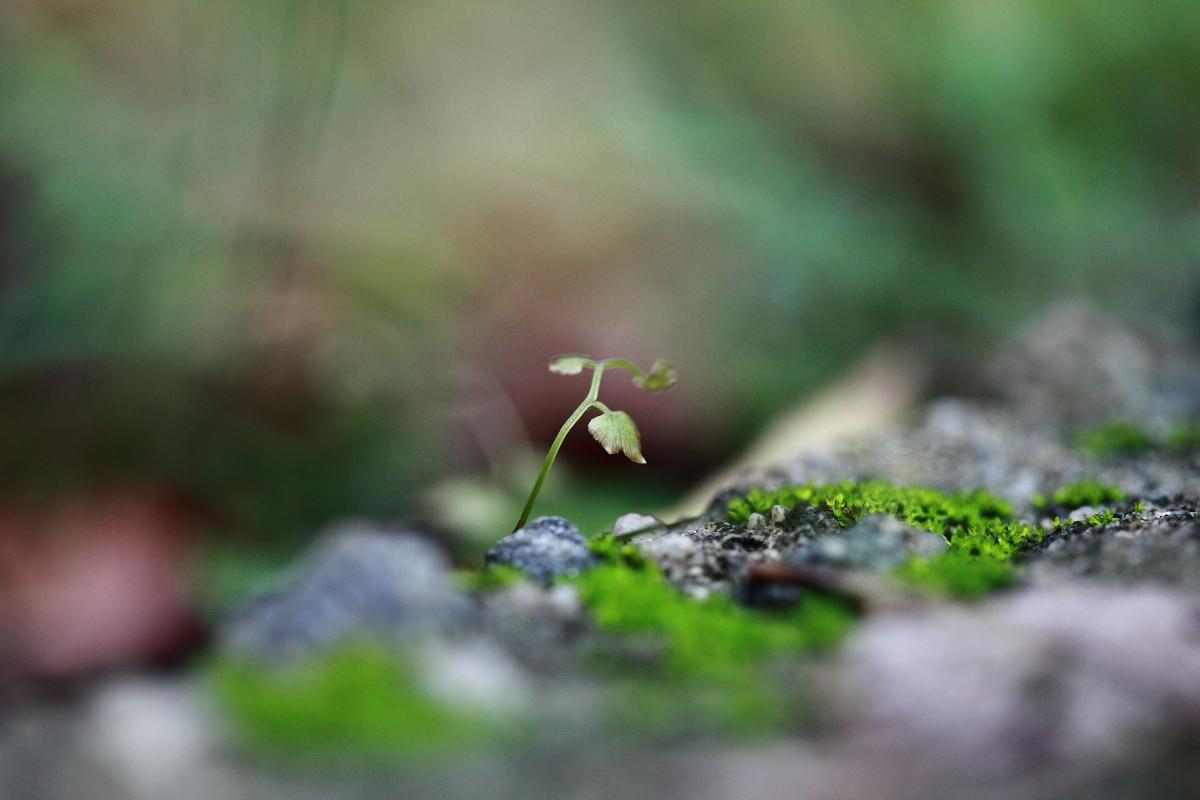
[614, 430]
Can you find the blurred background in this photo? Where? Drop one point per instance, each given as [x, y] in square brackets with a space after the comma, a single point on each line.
[265, 265]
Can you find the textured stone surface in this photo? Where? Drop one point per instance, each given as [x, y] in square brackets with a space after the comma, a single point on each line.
[545, 549]
[876, 544]
[633, 522]
[1044, 679]
[357, 581]
[1082, 681]
[1158, 544]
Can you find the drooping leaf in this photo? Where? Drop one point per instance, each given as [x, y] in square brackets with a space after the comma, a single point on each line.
[616, 433]
[568, 365]
[660, 377]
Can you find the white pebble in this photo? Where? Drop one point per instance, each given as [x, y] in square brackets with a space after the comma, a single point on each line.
[631, 523]
[476, 674]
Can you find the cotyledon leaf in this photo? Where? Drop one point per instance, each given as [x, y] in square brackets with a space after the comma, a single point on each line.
[660, 377]
[568, 365]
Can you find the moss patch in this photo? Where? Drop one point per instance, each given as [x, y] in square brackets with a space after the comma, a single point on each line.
[1185, 438]
[612, 551]
[1078, 495]
[1101, 518]
[981, 533]
[488, 579]
[958, 575]
[360, 701]
[1128, 439]
[682, 663]
[709, 640]
[669, 662]
[1114, 439]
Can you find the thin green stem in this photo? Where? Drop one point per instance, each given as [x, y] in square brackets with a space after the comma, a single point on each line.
[625, 364]
[593, 393]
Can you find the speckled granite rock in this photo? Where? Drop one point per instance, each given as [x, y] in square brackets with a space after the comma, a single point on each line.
[545, 549]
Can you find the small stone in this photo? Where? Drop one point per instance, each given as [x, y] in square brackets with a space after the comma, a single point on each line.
[475, 674]
[672, 553]
[545, 549]
[834, 548]
[1082, 513]
[778, 514]
[669, 547]
[634, 522]
[146, 733]
[755, 521]
[535, 624]
[564, 599]
[357, 581]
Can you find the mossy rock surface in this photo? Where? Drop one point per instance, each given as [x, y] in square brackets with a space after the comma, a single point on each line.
[961, 589]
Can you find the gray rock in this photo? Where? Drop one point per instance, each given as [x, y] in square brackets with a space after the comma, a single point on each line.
[700, 556]
[673, 553]
[1064, 678]
[476, 675]
[537, 625]
[627, 524]
[357, 581]
[964, 445]
[877, 544]
[1075, 366]
[154, 738]
[1158, 545]
[545, 549]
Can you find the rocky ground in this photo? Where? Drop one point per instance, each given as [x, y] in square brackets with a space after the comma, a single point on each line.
[1080, 676]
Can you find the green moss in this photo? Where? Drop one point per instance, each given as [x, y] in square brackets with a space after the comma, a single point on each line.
[980, 531]
[714, 639]
[1185, 438]
[358, 701]
[1118, 438]
[1130, 439]
[679, 662]
[958, 575]
[613, 551]
[1101, 518]
[670, 662]
[1084, 493]
[975, 523]
[489, 579]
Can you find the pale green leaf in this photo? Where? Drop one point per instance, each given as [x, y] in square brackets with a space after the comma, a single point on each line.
[568, 365]
[660, 377]
[616, 433]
